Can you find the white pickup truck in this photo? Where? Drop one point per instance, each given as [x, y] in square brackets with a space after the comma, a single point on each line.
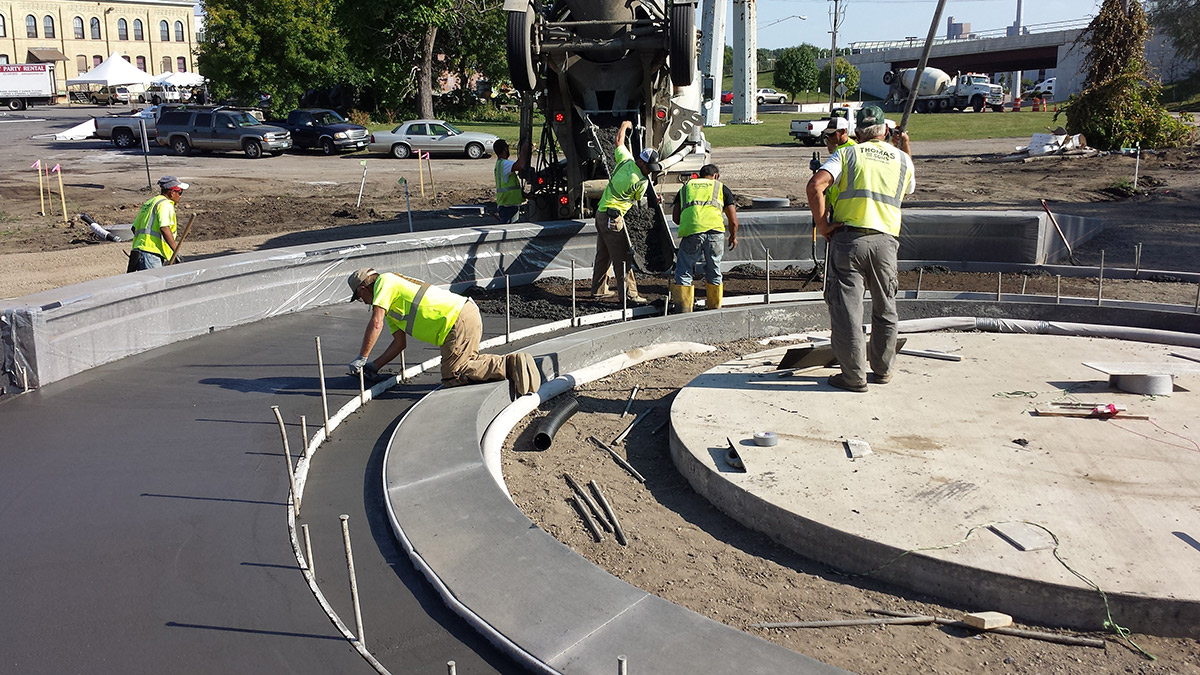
[808, 132]
[125, 130]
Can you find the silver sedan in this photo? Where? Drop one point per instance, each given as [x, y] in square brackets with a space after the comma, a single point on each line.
[431, 136]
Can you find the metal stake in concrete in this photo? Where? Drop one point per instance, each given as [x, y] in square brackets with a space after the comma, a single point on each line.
[304, 436]
[629, 403]
[324, 397]
[767, 263]
[1058, 289]
[451, 669]
[1137, 260]
[625, 291]
[1024, 280]
[920, 278]
[622, 665]
[573, 293]
[507, 311]
[1196, 308]
[288, 455]
[1100, 288]
[308, 559]
[999, 285]
[403, 369]
[358, 625]
[362, 388]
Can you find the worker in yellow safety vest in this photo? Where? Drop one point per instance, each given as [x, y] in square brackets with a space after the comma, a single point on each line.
[438, 317]
[625, 188]
[700, 210]
[508, 185]
[872, 178]
[836, 136]
[154, 227]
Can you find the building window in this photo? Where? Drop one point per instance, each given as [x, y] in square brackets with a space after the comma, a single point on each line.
[96, 60]
[141, 63]
[78, 23]
[3, 28]
[81, 64]
[4, 59]
[122, 29]
[137, 30]
[95, 28]
[166, 64]
[31, 26]
[48, 22]
[179, 31]
[164, 32]
[126, 57]
[181, 64]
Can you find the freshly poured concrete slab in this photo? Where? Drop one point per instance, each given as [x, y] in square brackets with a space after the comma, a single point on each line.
[955, 449]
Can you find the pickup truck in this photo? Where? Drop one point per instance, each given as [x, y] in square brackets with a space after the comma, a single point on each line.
[219, 128]
[125, 130]
[808, 132]
[325, 129]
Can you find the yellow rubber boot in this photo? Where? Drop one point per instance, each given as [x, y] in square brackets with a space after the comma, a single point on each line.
[684, 297]
[714, 293]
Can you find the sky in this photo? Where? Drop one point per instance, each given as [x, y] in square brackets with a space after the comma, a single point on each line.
[868, 20]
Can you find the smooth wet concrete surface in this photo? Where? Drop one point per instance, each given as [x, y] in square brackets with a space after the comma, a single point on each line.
[142, 523]
[954, 449]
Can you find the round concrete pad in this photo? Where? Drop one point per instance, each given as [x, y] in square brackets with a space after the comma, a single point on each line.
[955, 450]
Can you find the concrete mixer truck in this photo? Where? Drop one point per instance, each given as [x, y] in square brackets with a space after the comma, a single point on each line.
[940, 92]
[588, 65]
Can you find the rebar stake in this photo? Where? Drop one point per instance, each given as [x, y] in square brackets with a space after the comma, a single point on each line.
[324, 396]
[1137, 260]
[1058, 289]
[618, 531]
[999, 285]
[629, 403]
[362, 388]
[767, 262]
[625, 292]
[1196, 308]
[920, 278]
[451, 668]
[573, 311]
[358, 625]
[507, 311]
[288, 455]
[304, 436]
[308, 559]
[622, 665]
[1100, 287]
[1024, 280]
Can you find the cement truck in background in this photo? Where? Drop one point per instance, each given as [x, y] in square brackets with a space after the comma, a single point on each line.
[588, 65]
[939, 92]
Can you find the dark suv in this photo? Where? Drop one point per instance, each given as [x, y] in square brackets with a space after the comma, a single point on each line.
[219, 128]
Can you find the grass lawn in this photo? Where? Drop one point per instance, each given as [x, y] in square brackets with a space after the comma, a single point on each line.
[942, 127]
[1183, 95]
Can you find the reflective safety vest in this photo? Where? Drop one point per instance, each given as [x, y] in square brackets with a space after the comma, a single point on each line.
[874, 180]
[147, 233]
[832, 192]
[626, 186]
[701, 206]
[423, 311]
[508, 191]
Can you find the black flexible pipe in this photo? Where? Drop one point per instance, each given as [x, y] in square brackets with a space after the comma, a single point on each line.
[549, 426]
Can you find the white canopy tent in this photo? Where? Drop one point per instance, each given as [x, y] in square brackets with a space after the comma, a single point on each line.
[114, 71]
[180, 79]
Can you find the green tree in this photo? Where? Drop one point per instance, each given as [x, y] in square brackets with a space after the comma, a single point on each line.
[280, 47]
[796, 70]
[474, 42]
[728, 68]
[766, 60]
[845, 68]
[1180, 20]
[1119, 103]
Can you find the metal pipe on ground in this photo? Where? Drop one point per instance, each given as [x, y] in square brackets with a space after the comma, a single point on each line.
[583, 497]
[358, 624]
[608, 512]
[1015, 632]
[587, 519]
[288, 455]
[544, 436]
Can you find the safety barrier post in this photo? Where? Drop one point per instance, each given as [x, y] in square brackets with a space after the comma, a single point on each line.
[321, 377]
[287, 453]
[358, 624]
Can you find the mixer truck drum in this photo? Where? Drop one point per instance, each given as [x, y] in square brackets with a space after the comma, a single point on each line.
[551, 423]
[889, 77]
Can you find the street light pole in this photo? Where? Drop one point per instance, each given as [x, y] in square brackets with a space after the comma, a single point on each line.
[834, 19]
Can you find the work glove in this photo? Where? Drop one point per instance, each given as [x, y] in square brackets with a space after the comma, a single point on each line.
[372, 374]
[815, 163]
[357, 365]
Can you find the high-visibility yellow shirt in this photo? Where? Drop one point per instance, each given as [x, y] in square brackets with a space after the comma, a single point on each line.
[626, 186]
[423, 311]
[157, 212]
[508, 185]
[873, 178]
[701, 203]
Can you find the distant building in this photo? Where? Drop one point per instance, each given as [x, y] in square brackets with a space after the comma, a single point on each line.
[957, 31]
[156, 36]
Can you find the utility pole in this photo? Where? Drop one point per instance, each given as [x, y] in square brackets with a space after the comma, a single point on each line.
[835, 19]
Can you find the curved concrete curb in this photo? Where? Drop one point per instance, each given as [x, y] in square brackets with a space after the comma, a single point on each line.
[530, 594]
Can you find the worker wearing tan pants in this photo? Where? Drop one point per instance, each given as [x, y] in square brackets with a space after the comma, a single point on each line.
[439, 317]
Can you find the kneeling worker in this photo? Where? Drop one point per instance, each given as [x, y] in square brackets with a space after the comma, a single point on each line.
[698, 212]
[441, 318]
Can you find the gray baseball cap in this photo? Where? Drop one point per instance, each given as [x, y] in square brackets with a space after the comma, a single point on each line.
[171, 182]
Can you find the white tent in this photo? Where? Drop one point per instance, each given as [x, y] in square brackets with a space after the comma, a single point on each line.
[180, 79]
[116, 70]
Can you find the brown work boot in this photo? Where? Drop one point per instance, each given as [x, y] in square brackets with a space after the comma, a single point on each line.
[839, 380]
[876, 378]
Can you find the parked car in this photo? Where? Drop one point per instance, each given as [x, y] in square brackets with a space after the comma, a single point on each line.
[770, 96]
[432, 136]
[125, 130]
[164, 93]
[325, 129]
[219, 128]
[108, 95]
[726, 97]
[1043, 89]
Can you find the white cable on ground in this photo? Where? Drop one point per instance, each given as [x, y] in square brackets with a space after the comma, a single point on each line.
[1035, 327]
[500, 426]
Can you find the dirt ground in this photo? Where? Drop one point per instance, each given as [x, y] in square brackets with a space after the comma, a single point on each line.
[683, 549]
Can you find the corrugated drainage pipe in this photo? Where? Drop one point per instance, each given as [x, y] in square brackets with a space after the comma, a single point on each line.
[549, 426]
